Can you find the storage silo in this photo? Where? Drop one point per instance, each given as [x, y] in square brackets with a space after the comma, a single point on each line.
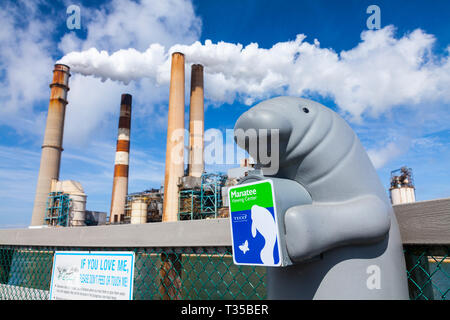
[138, 211]
[74, 190]
[402, 186]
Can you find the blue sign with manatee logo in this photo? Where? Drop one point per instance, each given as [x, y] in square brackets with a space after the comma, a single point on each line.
[254, 226]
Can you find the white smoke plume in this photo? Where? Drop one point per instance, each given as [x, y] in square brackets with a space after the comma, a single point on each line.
[122, 65]
[381, 72]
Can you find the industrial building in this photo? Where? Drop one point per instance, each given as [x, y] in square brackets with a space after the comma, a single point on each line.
[188, 192]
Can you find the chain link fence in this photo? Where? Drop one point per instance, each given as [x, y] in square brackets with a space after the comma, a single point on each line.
[198, 273]
[428, 270]
[160, 273]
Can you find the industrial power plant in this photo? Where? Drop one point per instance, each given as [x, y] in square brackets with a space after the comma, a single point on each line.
[187, 194]
[191, 193]
[184, 155]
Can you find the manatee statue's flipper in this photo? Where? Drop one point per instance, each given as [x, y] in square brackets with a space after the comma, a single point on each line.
[316, 228]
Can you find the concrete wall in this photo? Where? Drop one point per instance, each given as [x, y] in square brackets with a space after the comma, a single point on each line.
[425, 222]
[211, 232]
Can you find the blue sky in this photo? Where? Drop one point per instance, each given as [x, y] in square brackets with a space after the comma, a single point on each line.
[398, 128]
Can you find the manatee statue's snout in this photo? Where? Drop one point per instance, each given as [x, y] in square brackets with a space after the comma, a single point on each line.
[263, 133]
[264, 119]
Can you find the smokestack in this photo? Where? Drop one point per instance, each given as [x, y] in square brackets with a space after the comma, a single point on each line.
[120, 183]
[175, 139]
[196, 122]
[52, 145]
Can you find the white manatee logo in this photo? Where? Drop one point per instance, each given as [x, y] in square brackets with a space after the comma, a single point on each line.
[264, 223]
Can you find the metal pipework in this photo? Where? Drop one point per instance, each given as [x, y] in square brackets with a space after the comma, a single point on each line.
[175, 139]
[196, 122]
[120, 183]
[52, 145]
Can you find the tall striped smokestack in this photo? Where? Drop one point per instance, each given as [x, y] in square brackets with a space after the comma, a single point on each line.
[196, 122]
[175, 139]
[120, 183]
[52, 145]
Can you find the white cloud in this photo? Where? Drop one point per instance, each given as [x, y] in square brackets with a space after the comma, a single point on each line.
[424, 143]
[381, 156]
[27, 57]
[123, 24]
[381, 72]
[25, 65]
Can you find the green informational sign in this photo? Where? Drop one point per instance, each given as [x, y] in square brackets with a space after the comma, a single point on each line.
[254, 225]
[243, 197]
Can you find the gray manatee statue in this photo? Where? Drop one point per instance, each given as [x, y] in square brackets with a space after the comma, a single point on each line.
[341, 233]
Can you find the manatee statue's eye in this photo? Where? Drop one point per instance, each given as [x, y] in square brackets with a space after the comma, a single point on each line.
[305, 110]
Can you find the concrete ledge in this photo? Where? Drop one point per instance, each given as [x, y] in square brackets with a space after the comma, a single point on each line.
[192, 233]
[424, 222]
